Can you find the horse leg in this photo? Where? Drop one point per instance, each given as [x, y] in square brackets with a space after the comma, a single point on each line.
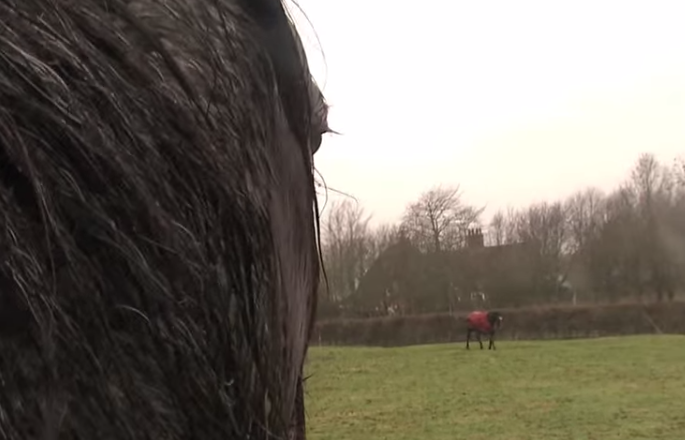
[492, 341]
[480, 341]
[468, 337]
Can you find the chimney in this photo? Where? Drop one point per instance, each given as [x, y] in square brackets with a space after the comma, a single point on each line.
[474, 238]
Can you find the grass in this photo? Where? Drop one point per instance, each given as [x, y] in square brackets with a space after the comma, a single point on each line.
[604, 389]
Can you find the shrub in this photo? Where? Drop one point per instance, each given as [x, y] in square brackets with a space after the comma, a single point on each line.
[549, 322]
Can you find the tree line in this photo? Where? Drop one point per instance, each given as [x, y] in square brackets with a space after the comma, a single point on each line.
[590, 247]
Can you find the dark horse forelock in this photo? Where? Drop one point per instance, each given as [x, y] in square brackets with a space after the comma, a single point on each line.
[158, 252]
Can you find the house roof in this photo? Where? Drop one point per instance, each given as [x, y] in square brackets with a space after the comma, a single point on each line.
[398, 262]
[404, 267]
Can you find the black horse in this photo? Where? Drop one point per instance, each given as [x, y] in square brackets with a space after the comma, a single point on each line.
[159, 255]
[483, 323]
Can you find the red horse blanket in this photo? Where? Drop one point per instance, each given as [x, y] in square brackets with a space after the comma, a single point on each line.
[479, 320]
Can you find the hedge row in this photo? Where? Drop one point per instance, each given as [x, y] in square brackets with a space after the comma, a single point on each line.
[529, 323]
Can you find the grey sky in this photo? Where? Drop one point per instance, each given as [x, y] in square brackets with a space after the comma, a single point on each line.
[516, 101]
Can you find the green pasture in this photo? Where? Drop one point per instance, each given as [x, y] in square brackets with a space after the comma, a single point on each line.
[603, 389]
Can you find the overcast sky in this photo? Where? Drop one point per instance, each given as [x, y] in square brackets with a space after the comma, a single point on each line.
[516, 101]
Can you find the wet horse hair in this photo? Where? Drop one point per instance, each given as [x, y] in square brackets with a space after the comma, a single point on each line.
[159, 254]
[483, 323]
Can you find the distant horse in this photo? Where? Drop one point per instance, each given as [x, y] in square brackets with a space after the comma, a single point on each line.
[159, 255]
[483, 323]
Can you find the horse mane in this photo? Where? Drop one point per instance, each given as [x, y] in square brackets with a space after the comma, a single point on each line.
[493, 316]
[159, 224]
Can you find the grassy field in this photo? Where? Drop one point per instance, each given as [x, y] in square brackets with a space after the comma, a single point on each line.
[604, 389]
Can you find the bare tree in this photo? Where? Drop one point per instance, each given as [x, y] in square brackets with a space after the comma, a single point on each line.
[439, 218]
[497, 229]
[543, 227]
[619, 268]
[348, 247]
[679, 171]
[543, 223]
[654, 192]
[502, 228]
[652, 184]
[584, 217]
[584, 222]
[383, 237]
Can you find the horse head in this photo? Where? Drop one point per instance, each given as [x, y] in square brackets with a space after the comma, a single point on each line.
[160, 256]
[495, 319]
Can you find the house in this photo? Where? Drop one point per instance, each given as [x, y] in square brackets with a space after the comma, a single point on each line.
[410, 281]
[390, 279]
